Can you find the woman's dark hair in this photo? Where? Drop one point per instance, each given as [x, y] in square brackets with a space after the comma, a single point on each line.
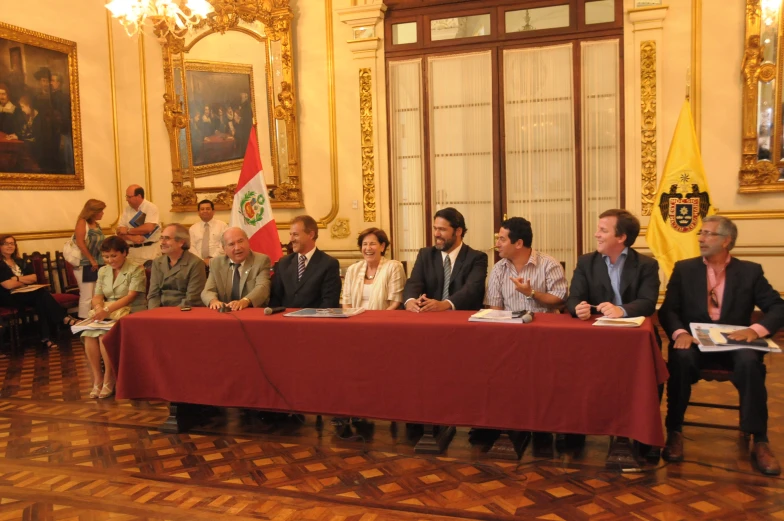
[114, 243]
[3, 238]
[380, 234]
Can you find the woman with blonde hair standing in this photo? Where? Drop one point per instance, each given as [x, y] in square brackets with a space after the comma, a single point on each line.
[88, 237]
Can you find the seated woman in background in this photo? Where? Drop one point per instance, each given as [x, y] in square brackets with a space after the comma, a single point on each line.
[88, 237]
[119, 290]
[375, 282]
[14, 274]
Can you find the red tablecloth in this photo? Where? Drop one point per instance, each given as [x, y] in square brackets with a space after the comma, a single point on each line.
[557, 374]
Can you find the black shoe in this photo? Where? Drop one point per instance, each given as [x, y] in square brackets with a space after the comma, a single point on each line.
[483, 436]
[543, 445]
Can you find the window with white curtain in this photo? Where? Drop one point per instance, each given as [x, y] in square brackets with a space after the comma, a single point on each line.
[601, 133]
[539, 145]
[524, 120]
[406, 158]
[461, 144]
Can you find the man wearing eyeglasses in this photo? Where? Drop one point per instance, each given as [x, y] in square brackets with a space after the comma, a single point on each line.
[719, 288]
[140, 227]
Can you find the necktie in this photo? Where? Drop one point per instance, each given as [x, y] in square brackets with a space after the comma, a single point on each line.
[205, 242]
[447, 277]
[235, 283]
[301, 267]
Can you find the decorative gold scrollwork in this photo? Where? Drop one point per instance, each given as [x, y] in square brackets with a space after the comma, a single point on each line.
[368, 154]
[757, 175]
[229, 15]
[648, 126]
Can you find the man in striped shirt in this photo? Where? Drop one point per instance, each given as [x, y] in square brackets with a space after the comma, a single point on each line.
[525, 280]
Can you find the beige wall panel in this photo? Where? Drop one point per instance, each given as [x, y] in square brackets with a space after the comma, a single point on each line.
[31, 211]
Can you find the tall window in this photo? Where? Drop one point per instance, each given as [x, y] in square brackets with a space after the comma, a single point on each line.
[505, 111]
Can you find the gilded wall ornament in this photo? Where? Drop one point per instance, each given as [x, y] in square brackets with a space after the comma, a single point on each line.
[648, 124]
[368, 155]
[340, 228]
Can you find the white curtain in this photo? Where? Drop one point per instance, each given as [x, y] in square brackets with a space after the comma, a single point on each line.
[405, 126]
[539, 146]
[601, 133]
[461, 141]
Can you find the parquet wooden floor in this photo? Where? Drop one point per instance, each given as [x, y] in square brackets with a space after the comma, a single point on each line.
[66, 457]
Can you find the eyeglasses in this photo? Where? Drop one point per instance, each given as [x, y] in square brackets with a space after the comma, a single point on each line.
[7, 243]
[714, 299]
[708, 233]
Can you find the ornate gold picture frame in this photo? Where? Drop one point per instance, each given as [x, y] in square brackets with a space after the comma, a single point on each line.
[220, 103]
[762, 149]
[40, 126]
[268, 22]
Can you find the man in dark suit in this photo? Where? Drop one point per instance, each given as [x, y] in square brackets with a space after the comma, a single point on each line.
[308, 278]
[616, 281]
[239, 279]
[450, 259]
[721, 289]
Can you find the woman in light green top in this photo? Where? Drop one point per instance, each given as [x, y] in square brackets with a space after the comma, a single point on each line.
[120, 283]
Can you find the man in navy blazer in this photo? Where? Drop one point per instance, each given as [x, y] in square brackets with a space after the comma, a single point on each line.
[308, 278]
[718, 288]
[614, 281]
[450, 258]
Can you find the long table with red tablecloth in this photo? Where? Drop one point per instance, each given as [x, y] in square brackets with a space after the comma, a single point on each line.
[557, 374]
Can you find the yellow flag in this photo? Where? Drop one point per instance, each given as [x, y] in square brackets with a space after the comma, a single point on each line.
[682, 200]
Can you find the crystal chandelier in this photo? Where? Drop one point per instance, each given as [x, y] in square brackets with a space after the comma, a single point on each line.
[167, 16]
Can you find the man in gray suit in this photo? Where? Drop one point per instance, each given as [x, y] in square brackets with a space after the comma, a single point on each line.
[177, 277]
[241, 278]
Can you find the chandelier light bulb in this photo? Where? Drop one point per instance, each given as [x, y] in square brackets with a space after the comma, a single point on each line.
[168, 16]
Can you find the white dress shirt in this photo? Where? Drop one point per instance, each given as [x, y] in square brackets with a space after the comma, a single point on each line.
[196, 231]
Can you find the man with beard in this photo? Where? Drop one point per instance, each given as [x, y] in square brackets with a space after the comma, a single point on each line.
[449, 275]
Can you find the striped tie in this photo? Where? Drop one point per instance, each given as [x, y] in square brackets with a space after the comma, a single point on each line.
[301, 267]
[447, 277]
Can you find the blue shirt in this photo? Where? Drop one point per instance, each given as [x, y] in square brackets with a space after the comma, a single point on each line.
[615, 271]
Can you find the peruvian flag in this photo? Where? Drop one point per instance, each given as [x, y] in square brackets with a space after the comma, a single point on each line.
[251, 210]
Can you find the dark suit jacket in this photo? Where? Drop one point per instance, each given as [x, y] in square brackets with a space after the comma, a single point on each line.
[466, 285]
[318, 288]
[745, 286]
[639, 283]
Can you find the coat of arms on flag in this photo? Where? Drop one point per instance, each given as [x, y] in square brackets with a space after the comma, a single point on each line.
[682, 212]
[252, 207]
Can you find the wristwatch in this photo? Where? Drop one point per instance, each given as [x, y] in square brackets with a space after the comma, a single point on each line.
[532, 295]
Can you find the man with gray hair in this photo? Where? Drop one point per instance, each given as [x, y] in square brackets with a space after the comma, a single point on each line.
[718, 288]
[178, 276]
[239, 279]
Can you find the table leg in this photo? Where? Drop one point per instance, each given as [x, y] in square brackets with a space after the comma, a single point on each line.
[182, 416]
[510, 445]
[435, 439]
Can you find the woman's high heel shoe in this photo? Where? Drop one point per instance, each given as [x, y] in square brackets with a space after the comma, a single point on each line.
[107, 391]
[96, 391]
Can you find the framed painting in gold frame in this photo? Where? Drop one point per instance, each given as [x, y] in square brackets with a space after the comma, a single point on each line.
[40, 126]
[221, 108]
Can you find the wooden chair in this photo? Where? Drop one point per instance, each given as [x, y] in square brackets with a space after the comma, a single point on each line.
[69, 287]
[715, 375]
[9, 320]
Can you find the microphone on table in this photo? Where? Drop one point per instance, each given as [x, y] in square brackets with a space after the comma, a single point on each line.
[272, 311]
[528, 317]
